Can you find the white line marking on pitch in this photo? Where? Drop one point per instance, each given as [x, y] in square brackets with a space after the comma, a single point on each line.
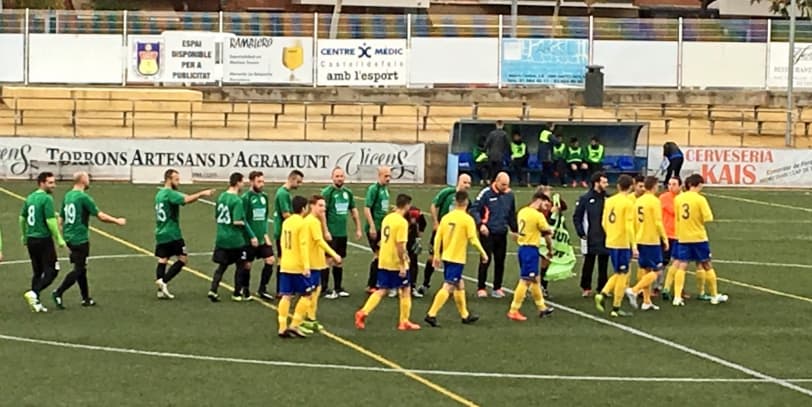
[100, 257]
[757, 202]
[374, 369]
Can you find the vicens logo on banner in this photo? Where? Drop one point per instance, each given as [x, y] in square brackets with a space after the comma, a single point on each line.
[362, 62]
[212, 160]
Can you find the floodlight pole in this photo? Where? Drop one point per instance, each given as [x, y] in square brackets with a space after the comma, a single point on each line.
[334, 20]
[790, 72]
[514, 15]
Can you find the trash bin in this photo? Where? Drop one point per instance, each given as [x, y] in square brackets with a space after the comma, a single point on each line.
[593, 86]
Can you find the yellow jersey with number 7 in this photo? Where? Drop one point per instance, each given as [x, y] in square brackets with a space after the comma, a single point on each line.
[692, 212]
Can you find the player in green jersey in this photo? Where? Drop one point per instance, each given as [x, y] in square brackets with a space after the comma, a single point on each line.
[255, 202]
[40, 228]
[232, 238]
[77, 208]
[282, 209]
[376, 207]
[168, 237]
[442, 203]
[340, 202]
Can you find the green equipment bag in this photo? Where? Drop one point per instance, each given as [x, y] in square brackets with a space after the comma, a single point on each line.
[563, 261]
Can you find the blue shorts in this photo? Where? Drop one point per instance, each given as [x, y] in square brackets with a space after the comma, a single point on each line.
[671, 252]
[528, 262]
[452, 272]
[390, 280]
[693, 252]
[651, 256]
[293, 284]
[621, 258]
[315, 277]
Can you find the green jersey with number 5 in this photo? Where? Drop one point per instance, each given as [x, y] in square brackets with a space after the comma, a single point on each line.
[77, 208]
[37, 209]
[167, 215]
[228, 210]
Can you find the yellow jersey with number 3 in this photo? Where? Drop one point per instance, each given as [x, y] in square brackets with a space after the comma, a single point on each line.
[650, 229]
[455, 231]
[618, 222]
[394, 230]
[531, 224]
[692, 212]
[295, 253]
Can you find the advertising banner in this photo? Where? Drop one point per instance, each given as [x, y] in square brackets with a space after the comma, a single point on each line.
[268, 60]
[544, 61]
[209, 160]
[362, 62]
[778, 66]
[743, 166]
[13, 51]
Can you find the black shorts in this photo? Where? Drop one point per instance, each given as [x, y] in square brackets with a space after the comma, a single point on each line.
[262, 251]
[339, 244]
[170, 249]
[374, 244]
[79, 253]
[431, 243]
[42, 252]
[227, 257]
[277, 244]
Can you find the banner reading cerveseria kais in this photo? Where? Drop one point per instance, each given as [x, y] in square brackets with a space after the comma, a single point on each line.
[209, 160]
[361, 62]
[743, 167]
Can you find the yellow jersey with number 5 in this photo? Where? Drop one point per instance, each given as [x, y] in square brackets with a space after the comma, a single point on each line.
[650, 229]
[531, 224]
[394, 230]
[618, 222]
[692, 212]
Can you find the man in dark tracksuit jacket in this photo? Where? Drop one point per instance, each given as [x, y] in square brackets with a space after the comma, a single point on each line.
[494, 212]
[587, 220]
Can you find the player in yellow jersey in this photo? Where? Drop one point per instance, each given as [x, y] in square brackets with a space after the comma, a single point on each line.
[638, 190]
[692, 213]
[317, 248]
[618, 222]
[650, 240]
[532, 228]
[294, 274]
[393, 265]
[456, 230]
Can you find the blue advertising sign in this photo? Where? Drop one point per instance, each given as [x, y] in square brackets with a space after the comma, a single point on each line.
[544, 61]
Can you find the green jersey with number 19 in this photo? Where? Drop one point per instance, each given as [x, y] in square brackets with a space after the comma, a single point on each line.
[167, 215]
[37, 209]
[77, 208]
[229, 209]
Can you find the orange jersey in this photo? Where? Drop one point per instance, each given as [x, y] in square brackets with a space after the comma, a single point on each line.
[667, 203]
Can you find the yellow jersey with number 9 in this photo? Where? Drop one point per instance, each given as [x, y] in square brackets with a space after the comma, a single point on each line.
[618, 222]
[531, 224]
[692, 212]
[394, 230]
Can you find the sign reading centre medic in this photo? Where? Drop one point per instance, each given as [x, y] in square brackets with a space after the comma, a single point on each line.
[361, 62]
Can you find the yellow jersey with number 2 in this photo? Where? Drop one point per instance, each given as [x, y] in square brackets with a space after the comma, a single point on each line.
[531, 224]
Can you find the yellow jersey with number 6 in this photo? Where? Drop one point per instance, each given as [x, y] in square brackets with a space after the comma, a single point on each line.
[531, 224]
[394, 230]
[618, 222]
[692, 212]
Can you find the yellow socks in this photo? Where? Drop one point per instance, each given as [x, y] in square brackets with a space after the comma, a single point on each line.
[283, 309]
[701, 275]
[641, 272]
[439, 300]
[518, 296]
[405, 308]
[644, 285]
[679, 283]
[619, 289]
[459, 300]
[372, 302]
[669, 278]
[299, 313]
[314, 304]
[610, 285]
[538, 296]
[710, 278]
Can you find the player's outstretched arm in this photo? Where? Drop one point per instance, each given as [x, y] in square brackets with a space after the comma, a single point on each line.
[357, 220]
[53, 226]
[194, 197]
[111, 219]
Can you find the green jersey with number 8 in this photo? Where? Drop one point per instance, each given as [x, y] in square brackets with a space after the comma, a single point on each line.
[77, 208]
[228, 210]
[37, 209]
[167, 215]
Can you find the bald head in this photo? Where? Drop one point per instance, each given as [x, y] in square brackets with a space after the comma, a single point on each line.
[463, 182]
[338, 177]
[502, 182]
[81, 179]
[384, 174]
